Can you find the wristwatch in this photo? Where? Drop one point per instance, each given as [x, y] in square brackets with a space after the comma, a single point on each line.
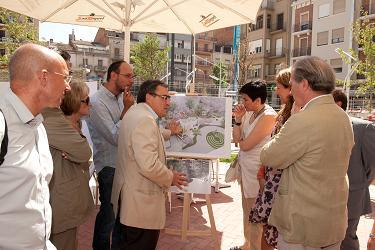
[238, 123]
[372, 235]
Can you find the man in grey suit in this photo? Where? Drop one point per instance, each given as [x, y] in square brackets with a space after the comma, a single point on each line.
[361, 172]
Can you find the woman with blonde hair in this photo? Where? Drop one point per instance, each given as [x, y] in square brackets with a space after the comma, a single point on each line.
[263, 204]
[70, 195]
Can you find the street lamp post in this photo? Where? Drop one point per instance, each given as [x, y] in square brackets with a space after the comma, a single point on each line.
[204, 59]
[351, 70]
[187, 83]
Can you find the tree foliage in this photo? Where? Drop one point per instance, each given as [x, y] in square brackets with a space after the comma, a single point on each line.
[245, 60]
[149, 59]
[364, 35]
[19, 29]
[220, 74]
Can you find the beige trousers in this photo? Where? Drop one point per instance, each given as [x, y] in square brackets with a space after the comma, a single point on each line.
[252, 231]
[283, 245]
[66, 240]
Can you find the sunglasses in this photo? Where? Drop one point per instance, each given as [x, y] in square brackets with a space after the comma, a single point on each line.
[87, 101]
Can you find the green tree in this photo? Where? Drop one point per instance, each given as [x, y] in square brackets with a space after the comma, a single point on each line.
[19, 30]
[220, 68]
[364, 35]
[149, 59]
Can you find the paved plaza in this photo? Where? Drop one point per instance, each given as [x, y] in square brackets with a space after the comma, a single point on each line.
[227, 210]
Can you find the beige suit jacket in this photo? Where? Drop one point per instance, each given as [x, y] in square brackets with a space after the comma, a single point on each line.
[313, 148]
[141, 176]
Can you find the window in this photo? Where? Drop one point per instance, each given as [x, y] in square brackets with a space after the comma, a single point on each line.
[255, 46]
[2, 34]
[255, 71]
[280, 21]
[100, 63]
[180, 44]
[303, 46]
[323, 10]
[259, 24]
[268, 45]
[205, 47]
[336, 65]
[85, 62]
[279, 47]
[322, 38]
[304, 21]
[178, 57]
[371, 10]
[117, 52]
[268, 21]
[338, 6]
[338, 35]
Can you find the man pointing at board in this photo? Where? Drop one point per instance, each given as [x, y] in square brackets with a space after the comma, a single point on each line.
[142, 177]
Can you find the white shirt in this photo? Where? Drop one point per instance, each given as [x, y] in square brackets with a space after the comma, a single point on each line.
[25, 212]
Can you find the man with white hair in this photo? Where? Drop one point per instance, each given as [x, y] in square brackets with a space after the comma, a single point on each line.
[313, 149]
[39, 78]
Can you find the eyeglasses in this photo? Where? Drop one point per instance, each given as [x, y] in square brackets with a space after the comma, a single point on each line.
[87, 101]
[164, 97]
[67, 78]
[130, 76]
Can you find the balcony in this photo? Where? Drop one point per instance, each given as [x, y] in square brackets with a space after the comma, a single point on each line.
[302, 52]
[277, 27]
[267, 4]
[304, 26]
[275, 53]
[100, 68]
[85, 66]
[254, 27]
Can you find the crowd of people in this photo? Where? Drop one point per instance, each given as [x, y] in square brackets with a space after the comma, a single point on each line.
[305, 171]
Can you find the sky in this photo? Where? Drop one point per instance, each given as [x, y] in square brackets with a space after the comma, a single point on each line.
[60, 32]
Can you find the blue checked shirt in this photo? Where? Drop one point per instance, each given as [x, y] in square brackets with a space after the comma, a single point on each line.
[104, 123]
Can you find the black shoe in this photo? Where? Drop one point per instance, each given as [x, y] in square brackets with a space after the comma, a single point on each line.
[235, 248]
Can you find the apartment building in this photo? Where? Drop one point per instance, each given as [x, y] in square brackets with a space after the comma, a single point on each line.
[332, 21]
[179, 61]
[115, 41]
[223, 52]
[269, 40]
[204, 45]
[301, 29]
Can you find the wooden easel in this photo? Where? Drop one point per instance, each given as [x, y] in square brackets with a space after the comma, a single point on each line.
[185, 231]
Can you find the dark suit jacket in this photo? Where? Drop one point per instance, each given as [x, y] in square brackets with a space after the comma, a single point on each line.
[361, 169]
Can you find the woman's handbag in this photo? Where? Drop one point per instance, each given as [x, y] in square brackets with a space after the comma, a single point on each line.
[234, 172]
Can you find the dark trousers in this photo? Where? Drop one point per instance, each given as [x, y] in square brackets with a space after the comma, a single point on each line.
[133, 238]
[350, 241]
[105, 219]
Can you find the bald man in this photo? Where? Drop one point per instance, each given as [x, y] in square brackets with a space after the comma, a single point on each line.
[39, 78]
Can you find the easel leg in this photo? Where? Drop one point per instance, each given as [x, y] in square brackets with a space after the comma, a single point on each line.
[170, 201]
[185, 215]
[212, 221]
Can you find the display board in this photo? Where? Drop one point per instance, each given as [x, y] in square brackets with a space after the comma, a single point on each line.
[197, 174]
[206, 124]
